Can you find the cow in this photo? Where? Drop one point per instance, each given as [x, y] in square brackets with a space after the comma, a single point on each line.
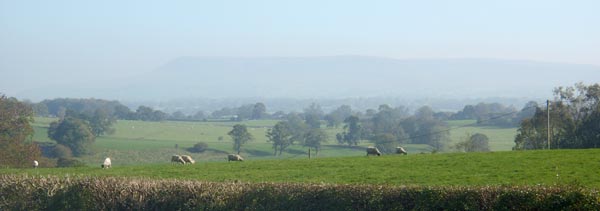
[234, 157]
[177, 159]
[373, 151]
[107, 163]
[35, 164]
[400, 150]
[188, 159]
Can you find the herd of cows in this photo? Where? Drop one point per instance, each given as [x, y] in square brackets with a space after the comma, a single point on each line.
[375, 151]
[186, 159]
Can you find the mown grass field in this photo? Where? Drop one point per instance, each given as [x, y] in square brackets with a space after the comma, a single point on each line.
[138, 142]
[543, 167]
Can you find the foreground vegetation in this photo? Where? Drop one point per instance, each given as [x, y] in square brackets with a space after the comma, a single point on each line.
[86, 193]
[543, 167]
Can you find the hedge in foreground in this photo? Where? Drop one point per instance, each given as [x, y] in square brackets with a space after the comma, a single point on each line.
[87, 193]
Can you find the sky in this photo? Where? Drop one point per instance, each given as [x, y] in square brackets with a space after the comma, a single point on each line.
[45, 43]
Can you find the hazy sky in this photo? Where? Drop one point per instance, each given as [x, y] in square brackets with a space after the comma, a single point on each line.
[49, 42]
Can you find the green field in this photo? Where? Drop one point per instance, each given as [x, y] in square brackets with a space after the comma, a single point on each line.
[543, 167]
[139, 142]
[500, 138]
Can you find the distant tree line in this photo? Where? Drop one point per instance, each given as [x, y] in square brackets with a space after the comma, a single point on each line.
[494, 114]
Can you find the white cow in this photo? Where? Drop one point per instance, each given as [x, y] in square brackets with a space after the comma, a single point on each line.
[401, 150]
[373, 151]
[107, 163]
[177, 159]
[188, 159]
[234, 157]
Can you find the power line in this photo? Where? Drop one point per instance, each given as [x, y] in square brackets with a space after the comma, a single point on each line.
[467, 125]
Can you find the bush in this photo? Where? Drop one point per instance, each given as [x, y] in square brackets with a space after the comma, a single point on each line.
[61, 151]
[69, 162]
[199, 147]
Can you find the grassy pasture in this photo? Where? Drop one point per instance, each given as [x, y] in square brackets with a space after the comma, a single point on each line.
[500, 138]
[137, 142]
[543, 167]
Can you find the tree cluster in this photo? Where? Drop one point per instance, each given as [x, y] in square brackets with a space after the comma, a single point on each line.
[494, 114]
[244, 112]
[574, 121]
[390, 127]
[78, 131]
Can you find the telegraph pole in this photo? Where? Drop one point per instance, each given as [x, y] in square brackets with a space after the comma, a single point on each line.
[548, 117]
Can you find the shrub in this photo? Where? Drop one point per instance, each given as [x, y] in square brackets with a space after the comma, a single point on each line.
[69, 162]
[199, 147]
[61, 151]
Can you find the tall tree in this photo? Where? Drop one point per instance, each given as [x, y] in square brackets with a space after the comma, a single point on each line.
[240, 136]
[73, 133]
[15, 128]
[259, 111]
[296, 126]
[313, 139]
[352, 132]
[313, 115]
[281, 137]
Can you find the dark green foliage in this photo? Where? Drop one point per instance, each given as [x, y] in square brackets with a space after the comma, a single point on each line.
[148, 114]
[69, 162]
[199, 147]
[99, 121]
[259, 111]
[53, 193]
[352, 132]
[61, 151]
[73, 133]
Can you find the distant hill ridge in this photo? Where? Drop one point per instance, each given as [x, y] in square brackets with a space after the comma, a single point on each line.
[355, 76]
[338, 77]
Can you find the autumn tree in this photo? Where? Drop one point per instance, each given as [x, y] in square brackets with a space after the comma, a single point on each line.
[15, 130]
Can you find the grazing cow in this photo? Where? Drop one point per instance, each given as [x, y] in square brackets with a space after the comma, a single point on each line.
[177, 159]
[234, 157]
[107, 163]
[35, 164]
[373, 151]
[400, 150]
[188, 159]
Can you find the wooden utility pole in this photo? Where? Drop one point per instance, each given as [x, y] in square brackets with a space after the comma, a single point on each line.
[548, 117]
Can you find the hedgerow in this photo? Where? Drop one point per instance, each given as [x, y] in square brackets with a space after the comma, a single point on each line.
[22, 192]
